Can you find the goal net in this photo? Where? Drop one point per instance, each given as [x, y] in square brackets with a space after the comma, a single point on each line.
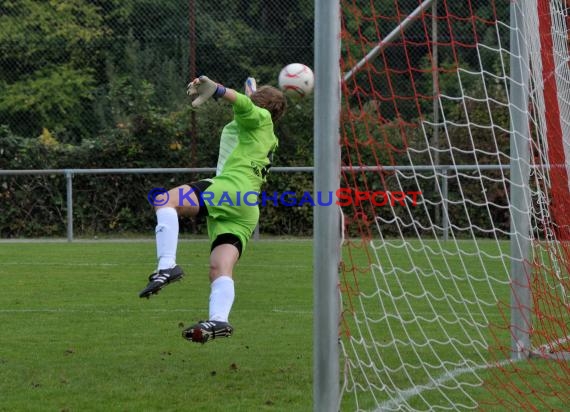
[455, 129]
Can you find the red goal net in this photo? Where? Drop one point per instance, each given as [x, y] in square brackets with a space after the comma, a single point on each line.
[456, 298]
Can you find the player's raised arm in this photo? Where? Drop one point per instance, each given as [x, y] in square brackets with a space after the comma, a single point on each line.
[247, 115]
[204, 88]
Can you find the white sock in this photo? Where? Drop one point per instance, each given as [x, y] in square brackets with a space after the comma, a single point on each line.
[166, 237]
[221, 298]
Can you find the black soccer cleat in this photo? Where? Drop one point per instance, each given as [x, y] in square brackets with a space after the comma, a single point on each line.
[160, 279]
[203, 331]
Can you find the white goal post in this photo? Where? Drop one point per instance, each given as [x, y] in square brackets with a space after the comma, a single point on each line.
[326, 226]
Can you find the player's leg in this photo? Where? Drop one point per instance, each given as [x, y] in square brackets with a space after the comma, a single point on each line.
[226, 251]
[222, 261]
[180, 201]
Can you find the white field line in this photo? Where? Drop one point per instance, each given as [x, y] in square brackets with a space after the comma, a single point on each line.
[557, 342]
[84, 264]
[111, 311]
[144, 240]
[187, 264]
[87, 310]
[308, 312]
[404, 395]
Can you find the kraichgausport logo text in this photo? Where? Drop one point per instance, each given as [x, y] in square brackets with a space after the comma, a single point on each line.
[342, 197]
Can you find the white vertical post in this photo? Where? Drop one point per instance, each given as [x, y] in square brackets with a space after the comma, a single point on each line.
[519, 189]
[444, 203]
[69, 203]
[435, 91]
[326, 385]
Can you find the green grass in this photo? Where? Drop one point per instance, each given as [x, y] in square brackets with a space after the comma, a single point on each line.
[76, 337]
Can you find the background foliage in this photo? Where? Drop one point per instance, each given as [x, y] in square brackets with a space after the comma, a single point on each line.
[101, 84]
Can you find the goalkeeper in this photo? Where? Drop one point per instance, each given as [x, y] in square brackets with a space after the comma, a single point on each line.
[246, 147]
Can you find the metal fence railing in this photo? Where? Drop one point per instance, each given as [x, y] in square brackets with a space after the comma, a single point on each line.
[442, 171]
[70, 173]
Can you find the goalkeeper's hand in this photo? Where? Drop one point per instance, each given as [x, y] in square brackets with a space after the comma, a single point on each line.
[204, 88]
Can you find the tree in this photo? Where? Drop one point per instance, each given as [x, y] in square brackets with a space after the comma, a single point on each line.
[47, 48]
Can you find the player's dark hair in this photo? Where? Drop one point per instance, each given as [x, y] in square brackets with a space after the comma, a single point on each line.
[271, 99]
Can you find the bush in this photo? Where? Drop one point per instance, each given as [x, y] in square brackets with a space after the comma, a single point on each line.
[34, 206]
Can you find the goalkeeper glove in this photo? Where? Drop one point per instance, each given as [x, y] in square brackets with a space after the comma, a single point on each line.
[204, 88]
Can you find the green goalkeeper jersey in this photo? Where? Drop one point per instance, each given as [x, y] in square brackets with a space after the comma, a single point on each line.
[246, 147]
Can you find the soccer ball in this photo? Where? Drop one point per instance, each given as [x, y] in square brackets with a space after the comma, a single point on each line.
[296, 80]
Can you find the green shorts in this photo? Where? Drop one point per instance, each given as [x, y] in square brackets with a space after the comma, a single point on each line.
[227, 210]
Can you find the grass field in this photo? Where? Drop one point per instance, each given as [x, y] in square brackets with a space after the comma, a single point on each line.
[76, 337]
